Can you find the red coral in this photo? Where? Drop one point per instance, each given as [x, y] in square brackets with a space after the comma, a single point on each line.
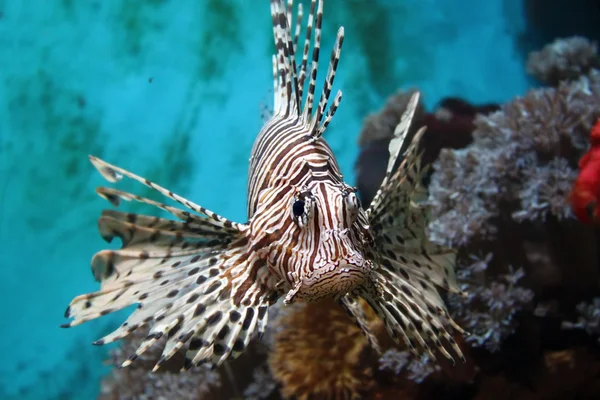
[586, 191]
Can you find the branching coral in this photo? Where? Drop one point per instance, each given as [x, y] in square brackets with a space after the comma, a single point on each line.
[546, 190]
[589, 318]
[500, 188]
[449, 126]
[515, 150]
[507, 195]
[563, 59]
[491, 305]
[417, 370]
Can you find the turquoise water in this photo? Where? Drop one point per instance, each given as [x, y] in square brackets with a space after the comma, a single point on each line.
[173, 91]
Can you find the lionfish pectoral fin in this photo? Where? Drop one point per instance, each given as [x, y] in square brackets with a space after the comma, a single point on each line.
[113, 173]
[227, 331]
[410, 266]
[412, 316]
[350, 303]
[190, 278]
[225, 319]
[204, 300]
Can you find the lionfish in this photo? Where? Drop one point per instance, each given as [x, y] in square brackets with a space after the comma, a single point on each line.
[207, 283]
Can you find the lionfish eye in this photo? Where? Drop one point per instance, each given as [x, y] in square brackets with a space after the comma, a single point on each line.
[298, 208]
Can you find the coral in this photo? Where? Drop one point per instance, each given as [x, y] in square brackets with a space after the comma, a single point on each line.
[589, 318]
[137, 382]
[513, 150]
[488, 311]
[448, 126]
[381, 125]
[262, 386]
[499, 194]
[563, 59]
[417, 370]
[320, 353]
[507, 194]
[545, 190]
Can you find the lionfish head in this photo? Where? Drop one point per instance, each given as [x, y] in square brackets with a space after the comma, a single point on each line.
[329, 240]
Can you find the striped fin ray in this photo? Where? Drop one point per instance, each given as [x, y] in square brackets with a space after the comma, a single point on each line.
[306, 49]
[230, 333]
[291, 79]
[317, 25]
[399, 221]
[409, 166]
[183, 275]
[194, 295]
[135, 229]
[113, 174]
[413, 314]
[410, 267]
[328, 85]
[159, 223]
[350, 303]
[286, 62]
[298, 26]
[405, 249]
[146, 267]
[208, 321]
[198, 223]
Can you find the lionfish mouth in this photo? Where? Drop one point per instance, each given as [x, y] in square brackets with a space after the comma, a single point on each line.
[332, 280]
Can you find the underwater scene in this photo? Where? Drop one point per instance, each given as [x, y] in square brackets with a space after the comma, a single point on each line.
[187, 181]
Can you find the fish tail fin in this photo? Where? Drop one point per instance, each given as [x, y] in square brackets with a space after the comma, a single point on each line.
[188, 277]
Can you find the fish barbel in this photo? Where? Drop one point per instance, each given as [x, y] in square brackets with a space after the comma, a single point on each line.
[207, 282]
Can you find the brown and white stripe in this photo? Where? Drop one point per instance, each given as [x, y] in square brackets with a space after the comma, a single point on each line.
[291, 164]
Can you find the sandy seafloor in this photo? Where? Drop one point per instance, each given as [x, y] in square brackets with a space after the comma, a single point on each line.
[173, 90]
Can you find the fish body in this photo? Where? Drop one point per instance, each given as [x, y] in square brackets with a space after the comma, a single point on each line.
[207, 282]
[585, 196]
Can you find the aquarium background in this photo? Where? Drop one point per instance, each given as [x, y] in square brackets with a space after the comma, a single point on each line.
[175, 91]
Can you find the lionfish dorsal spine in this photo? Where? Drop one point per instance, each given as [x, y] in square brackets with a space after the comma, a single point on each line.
[396, 144]
[290, 80]
[285, 59]
[306, 47]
